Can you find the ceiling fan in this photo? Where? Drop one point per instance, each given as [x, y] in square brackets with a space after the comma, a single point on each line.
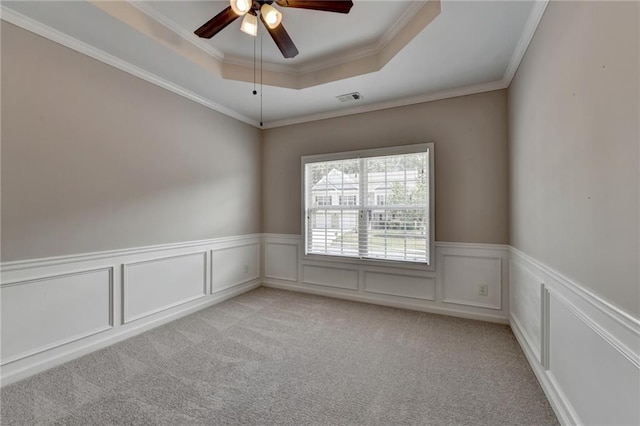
[270, 17]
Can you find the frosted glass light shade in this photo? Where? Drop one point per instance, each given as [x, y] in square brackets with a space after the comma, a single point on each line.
[272, 17]
[250, 24]
[240, 7]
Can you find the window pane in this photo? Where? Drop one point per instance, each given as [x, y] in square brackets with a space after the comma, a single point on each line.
[333, 232]
[397, 228]
[398, 235]
[332, 229]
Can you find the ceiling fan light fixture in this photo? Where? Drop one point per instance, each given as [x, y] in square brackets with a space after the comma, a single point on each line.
[250, 24]
[240, 7]
[271, 16]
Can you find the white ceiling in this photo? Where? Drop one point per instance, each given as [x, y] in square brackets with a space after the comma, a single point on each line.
[471, 46]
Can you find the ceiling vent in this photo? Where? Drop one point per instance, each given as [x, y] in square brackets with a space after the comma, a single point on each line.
[349, 97]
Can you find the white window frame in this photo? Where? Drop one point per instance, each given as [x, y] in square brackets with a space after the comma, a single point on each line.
[377, 152]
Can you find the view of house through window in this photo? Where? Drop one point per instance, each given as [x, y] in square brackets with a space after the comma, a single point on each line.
[375, 207]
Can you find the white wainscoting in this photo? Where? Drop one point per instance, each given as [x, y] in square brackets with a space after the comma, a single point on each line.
[57, 309]
[155, 285]
[453, 293]
[584, 351]
[408, 284]
[464, 269]
[46, 310]
[234, 264]
[277, 259]
[330, 276]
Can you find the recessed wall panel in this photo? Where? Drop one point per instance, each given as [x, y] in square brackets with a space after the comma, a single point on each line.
[43, 313]
[231, 266]
[526, 304]
[281, 261]
[602, 383]
[403, 285]
[158, 284]
[330, 276]
[464, 277]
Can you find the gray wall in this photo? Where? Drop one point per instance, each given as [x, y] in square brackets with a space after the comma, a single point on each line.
[573, 134]
[96, 159]
[470, 136]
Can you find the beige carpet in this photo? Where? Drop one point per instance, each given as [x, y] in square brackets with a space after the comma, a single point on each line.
[273, 357]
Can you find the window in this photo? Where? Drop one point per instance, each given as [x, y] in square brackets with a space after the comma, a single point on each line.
[347, 200]
[323, 200]
[385, 204]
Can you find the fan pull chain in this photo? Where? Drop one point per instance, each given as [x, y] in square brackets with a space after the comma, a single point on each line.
[254, 67]
[261, 86]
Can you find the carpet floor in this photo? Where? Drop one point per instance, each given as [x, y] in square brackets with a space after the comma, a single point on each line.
[271, 357]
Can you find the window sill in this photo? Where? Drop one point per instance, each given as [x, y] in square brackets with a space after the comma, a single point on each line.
[369, 262]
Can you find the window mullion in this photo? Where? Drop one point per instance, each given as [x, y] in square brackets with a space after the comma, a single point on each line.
[363, 220]
[308, 200]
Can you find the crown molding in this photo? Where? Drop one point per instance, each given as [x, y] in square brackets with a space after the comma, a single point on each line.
[398, 25]
[371, 49]
[267, 66]
[528, 32]
[325, 69]
[428, 97]
[36, 27]
[72, 43]
[163, 19]
[310, 66]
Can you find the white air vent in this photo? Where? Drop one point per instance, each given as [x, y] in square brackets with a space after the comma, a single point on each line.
[355, 96]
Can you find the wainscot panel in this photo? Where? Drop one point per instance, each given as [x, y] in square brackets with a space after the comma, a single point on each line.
[234, 265]
[471, 279]
[155, 285]
[526, 306]
[396, 284]
[281, 260]
[57, 309]
[330, 276]
[587, 355]
[44, 313]
[579, 351]
[405, 285]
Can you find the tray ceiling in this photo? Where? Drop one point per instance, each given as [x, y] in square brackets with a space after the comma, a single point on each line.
[392, 52]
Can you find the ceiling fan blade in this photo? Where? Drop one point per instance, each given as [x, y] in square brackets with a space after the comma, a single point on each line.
[337, 6]
[217, 23]
[282, 40]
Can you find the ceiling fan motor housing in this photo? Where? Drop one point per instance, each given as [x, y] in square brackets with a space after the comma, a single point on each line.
[257, 5]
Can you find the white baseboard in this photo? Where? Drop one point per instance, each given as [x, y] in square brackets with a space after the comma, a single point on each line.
[384, 301]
